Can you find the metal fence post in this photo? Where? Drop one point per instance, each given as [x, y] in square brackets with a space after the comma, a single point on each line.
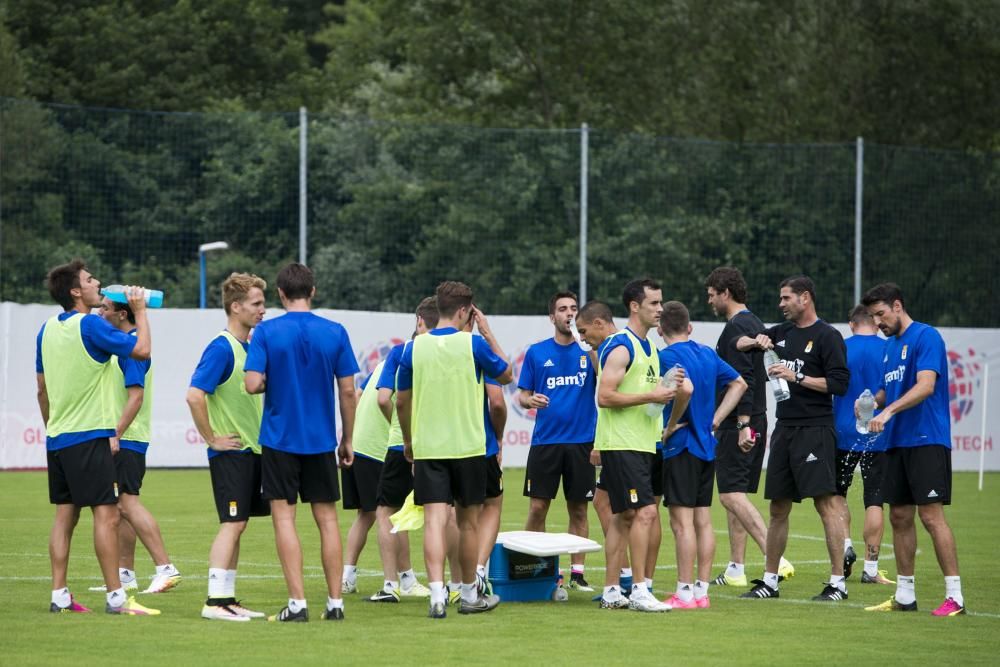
[303, 189]
[584, 154]
[859, 182]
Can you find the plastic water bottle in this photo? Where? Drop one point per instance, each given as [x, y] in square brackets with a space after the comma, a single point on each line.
[779, 387]
[668, 381]
[866, 410]
[154, 297]
[560, 594]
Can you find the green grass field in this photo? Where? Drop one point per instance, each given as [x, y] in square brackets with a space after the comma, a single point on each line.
[791, 630]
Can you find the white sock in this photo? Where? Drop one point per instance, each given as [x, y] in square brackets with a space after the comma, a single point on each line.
[389, 586]
[953, 589]
[649, 583]
[848, 544]
[216, 582]
[334, 603]
[116, 598]
[639, 590]
[700, 589]
[469, 592]
[577, 568]
[839, 581]
[871, 568]
[126, 575]
[351, 574]
[481, 571]
[437, 592]
[611, 593]
[626, 572]
[454, 586]
[771, 579]
[296, 606]
[61, 597]
[167, 569]
[906, 591]
[230, 590]
[409, 574]
[735, 570]
[685, 592]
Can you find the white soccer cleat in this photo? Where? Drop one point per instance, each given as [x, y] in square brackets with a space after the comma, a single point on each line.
[348, 586]
[162, 583]
[417, 590]
[243, 611]
[128, 586]
[646, 602]
[222, 613]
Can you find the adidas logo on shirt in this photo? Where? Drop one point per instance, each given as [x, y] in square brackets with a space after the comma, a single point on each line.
[811, 458]
[932, 494]
[548, 364]
[781, 343]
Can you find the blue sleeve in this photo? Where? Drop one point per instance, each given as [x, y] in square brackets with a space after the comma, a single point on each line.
[215, 367]
[100, 338]
[930, 352]
[724, 373]
[364, 383]
[387, 380]
[669, 357]
[491, 364]
[346, 365]
[404, 376]
[493, 382]
[38, 351]
[618, 341]
[134, 371]
[257, 354]
[526, 378]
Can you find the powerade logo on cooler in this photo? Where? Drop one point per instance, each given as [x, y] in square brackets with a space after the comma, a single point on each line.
[526, 566]
[963, 382]
[516, 361]
[372, 356]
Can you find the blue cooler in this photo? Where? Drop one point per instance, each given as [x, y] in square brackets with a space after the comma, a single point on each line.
[520, 577]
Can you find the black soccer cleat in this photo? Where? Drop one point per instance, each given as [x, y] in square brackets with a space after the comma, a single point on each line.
[830, 594]
[335, 614]
[286, 615]
[760, 590]
[849, 558]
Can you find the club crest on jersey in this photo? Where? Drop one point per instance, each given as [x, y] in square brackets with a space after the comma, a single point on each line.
[633, 496]
[903, 355]
[809, 346]
[232, 508]
[583, 361]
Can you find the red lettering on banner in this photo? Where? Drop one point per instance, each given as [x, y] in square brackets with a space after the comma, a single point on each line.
[33, 436]
[971, 443]
[193, 437]
[517, 438]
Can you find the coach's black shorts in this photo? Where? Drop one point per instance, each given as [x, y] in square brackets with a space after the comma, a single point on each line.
[802, 463]
[83, 474]
[656, 474]
[395, 481]
[872, 474]
[236, 478]
[287, 476]
[494, 477]
[688, 481]
[130, 469]
[461, 481]
[625, 475]
[547, 464]
[918, 475]
[360, 484]
[735, 470]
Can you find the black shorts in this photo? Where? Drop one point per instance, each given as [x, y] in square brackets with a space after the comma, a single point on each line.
[872, 474]
[735, 470]
[494, 477]
[287, 476]
[130, 469]
[917, 475]
[656, 474]
[236, 486]
[802, 463]
[395, 481]
[548, 464]
[688, 481]
[360, 484]
[626, 479]
[461, 481]
[83, 474]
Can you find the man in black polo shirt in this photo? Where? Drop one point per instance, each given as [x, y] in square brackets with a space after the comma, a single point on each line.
[813, 361]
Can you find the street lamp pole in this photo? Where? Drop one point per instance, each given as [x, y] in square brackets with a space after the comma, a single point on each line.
[202, 250]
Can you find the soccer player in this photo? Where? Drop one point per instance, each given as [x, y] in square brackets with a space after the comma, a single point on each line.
[557, 381]
[865, 351]
[396, 479]
[495, 415]
[440, 398]
[295, 360]
[740, 455]
[131, 397]
[71, 363]
[228, 419]
[689, 450]
[914, 418]
[626, 436]
[804, 445]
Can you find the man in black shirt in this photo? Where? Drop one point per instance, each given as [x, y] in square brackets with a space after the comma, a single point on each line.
[742, 436]
[813, 361]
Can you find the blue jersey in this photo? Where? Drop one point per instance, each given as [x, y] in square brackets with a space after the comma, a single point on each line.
[300, 354]
[864, 360]
[920, 348]
[487, 362]
[709, 374]
[492, 445]
[214, 368]
[387, 380]
[565, 374]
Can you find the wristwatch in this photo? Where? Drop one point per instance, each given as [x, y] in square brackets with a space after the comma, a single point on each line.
[741, 425]
[799, 377]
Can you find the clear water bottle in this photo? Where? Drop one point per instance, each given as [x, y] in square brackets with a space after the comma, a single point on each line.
[779, 386]
[866, 410]
[560, 594]
[669, 381]
[154, 297]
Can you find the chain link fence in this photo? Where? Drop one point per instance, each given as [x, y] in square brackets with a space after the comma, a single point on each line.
[395, 208]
